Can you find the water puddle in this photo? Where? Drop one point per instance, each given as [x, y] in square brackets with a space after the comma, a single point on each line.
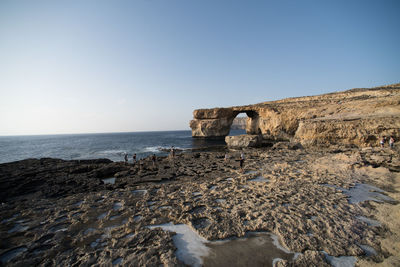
[117, 206]
[220, 201]
[18, 228]
[117, 261]
[255, 249]
[369, 221]
[363, 192]
[165, 208]
[59, 228]
[129, 236]
[369, 251]
[250, 172]
[139, 192]
[259, 179]
[102, 216]
[109, 180]
[342, 261]
[114, 217]
[61, 219]
[190, 245]
[89, 230]
[137, 218]
[10, 219]
[95, 243]
[11, 254]
[76, 214]
[79, 203]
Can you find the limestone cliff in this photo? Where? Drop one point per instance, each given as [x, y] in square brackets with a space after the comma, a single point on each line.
[357, 116]
[239, 123]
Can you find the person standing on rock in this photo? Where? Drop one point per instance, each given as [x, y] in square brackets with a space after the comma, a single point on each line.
[134, 159]
[241, 161]
[172, 152]
[226, 158]
[382, 142]
[391, 142]
[126, 158]
[154, 159]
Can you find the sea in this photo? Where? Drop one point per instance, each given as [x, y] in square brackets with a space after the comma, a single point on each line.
[112, 146]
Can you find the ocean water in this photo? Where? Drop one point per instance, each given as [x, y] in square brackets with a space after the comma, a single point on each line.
[112, 146]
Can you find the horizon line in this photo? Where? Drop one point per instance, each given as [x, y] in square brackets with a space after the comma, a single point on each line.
[48, 134]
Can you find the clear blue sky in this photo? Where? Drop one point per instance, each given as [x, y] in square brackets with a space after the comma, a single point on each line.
[116, 66]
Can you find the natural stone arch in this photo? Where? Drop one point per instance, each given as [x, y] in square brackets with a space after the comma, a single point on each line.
[252, 122]
[216, 123]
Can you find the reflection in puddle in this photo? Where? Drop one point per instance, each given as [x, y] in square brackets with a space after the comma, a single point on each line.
[102, 216]
[369, 251]
[139, 192]
[117, 261]
[109, 180]
[220, 200]
[117, 206]
[256, 249]
[369, 221]
[342, 261]
[12, 254]
[259, 179]
[18, 228]
[137, 218]
[363, 192]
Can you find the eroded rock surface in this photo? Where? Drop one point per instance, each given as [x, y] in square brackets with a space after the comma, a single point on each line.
[240, 141]
[358, 116]
[68, 216]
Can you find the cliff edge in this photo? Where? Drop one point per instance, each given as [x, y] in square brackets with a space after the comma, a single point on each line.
[356, 117]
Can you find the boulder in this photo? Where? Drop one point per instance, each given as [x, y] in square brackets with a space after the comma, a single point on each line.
[240, 141]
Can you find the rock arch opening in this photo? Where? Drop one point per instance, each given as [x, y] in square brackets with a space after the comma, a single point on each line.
[245, 122]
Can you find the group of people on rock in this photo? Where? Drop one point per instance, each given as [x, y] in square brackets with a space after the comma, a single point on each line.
[134, 160]
[384, 140]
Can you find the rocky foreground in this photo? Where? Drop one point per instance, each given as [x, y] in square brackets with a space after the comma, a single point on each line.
[61, 213]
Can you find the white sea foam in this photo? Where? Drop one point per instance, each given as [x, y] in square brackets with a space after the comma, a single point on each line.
[153, 149]
[112, 152]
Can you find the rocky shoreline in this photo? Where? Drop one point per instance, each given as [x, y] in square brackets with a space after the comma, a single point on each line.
[317, 201]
